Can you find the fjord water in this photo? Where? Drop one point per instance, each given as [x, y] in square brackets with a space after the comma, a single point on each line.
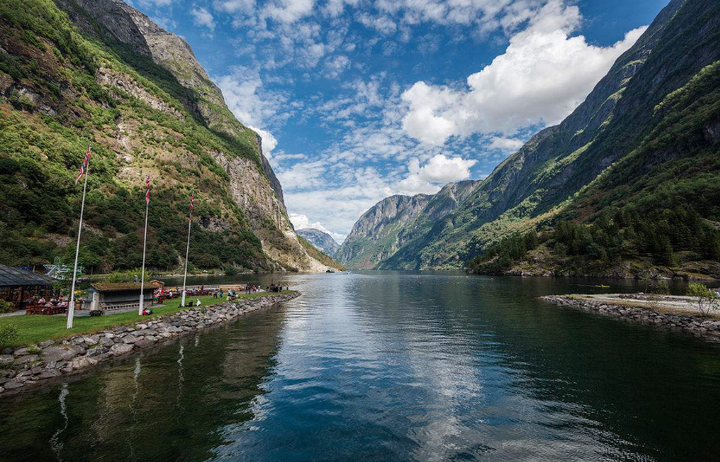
[391, 367]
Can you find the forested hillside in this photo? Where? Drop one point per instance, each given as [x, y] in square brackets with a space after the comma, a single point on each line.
[629, 183]
[398, 223]
[100, 74]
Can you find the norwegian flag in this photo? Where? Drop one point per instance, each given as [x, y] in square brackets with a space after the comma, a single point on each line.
[192, 201]
[147, 190]
[83, 166]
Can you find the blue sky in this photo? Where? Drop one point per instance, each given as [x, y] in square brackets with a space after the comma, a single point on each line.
[358, 100]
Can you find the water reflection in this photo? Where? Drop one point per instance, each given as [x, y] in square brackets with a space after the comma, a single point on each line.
[393, 366]
[144, 409]
[55, 443]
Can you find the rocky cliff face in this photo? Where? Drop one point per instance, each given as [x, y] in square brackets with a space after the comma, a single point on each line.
[152, 109]
[320, 240]
[396, 221]
[258, 193]
[561, 164]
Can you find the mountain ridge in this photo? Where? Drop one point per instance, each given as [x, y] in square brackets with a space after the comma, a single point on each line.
[320, 239]
[74, 73]
[386, 226]
[568, 172]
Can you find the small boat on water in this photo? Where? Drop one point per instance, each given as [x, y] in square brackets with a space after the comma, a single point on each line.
[330, 270]
[601, 286]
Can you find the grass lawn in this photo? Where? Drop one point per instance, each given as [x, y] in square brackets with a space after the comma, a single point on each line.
[33, 329]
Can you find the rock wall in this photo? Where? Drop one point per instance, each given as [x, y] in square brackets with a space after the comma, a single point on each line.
[26, 367]
[699, 326]
[254, 186]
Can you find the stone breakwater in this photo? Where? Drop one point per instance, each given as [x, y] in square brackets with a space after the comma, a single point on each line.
[697, 325]
[23, 368]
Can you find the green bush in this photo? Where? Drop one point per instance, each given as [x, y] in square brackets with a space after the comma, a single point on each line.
[706, 299]
[8, 334]
[6, 307]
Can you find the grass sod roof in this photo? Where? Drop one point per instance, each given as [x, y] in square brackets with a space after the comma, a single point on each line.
[122, 286]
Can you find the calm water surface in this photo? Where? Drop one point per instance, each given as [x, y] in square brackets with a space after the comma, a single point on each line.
[391, 367]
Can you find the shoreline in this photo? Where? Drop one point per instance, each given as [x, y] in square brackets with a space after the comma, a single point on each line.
[662, 312]
[554, 275]
[28, 368]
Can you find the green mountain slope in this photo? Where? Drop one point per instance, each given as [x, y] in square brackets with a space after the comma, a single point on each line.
[99, 73]
[646, 137]
[399, 223]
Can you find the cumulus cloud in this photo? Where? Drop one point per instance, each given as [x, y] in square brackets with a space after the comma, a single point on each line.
[385, 138]
[442, 169]
[421, 122]
[253, 105]
[506, 145]
[341, 198]
[289, 11]
[203, 18]
[301, 221]
[234, 6]
[336, 66]
[334, 8]
[269, 142]
[156, 3]
[303, 175]
[544, 74]
[439, 170]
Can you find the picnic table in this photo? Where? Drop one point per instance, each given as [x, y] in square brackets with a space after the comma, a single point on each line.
[44, 310]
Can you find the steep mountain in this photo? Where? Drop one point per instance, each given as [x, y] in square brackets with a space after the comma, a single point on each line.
[396, 222]
[320, 256]
[319, 239]
[75, 73]
[645, 139]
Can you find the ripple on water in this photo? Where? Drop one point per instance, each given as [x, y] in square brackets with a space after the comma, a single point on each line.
[391, 367]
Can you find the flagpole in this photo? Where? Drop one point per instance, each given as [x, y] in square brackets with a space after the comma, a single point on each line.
[71, 308]
[187, 254]
[142, 277]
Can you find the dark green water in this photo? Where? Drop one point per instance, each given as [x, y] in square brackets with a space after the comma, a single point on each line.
[391, 367]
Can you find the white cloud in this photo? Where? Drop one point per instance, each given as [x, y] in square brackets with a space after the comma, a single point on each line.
[442, 169]
[301, 221]
[507, 145]
[234, 6]
[269, 142]
[375, 125]
[413, 185]
[289, 11]
[334, 8]
[421, 122]
[382, 24]
[253, 105]
[337, 66]
[544, 74]
[203, 18]
[439, 170]
[155, 3]
[164, 22]
[303, 175]
[338, 206]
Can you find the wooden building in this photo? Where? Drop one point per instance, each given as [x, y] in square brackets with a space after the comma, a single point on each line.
[20, 287]
[119, 296]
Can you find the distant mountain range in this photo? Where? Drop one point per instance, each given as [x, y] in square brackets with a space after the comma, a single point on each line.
[627, 185]
[319, 239]
[397, 222]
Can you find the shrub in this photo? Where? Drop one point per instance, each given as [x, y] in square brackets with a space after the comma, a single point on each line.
[6, 307]
[8, 334]
[707, 300]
